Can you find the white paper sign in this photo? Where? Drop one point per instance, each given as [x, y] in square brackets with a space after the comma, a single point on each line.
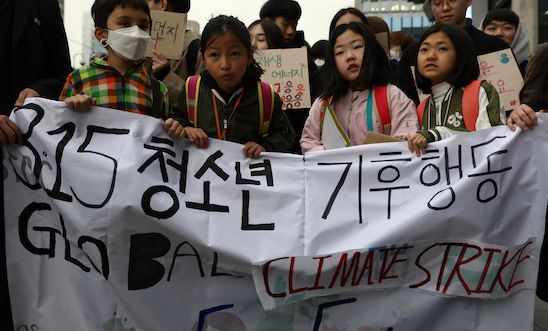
[111, 225]
[287, 71]
[501, 70]
[333, 135]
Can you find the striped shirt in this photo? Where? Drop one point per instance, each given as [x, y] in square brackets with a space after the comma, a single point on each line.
[129, 92]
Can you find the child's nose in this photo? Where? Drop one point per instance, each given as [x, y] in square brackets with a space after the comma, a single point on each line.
[225, 63]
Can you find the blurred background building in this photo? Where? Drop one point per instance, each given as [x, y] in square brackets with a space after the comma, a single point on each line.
[415, 15]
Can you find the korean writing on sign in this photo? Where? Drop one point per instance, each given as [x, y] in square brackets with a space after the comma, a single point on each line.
[287, 71]
[168, 34]
[501, 70]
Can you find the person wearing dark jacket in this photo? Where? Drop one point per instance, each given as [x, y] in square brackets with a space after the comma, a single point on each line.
[35, 51]
[286, 15]
[36, 59]
[447, 12]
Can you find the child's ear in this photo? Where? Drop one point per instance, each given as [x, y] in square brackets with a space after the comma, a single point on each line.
[100, 33]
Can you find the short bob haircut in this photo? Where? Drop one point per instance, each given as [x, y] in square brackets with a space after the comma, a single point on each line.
[102, 9]
[344, 11]
[501, 15]
[273, 34]
[219, 26]
[467, 68]
[374, 70]
[289, 9]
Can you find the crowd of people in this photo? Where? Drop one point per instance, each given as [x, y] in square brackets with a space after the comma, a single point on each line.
[369, 88]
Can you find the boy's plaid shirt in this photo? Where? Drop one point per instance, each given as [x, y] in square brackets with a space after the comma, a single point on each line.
[131, 92]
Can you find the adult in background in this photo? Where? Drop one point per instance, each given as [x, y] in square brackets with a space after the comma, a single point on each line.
[400, 41]
[504, 23]
[36, 61]
[286, 15]
[265, 34]
[447, 12]
[173, 73]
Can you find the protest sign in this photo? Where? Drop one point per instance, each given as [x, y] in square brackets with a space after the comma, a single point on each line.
[501, 70]
[111, 225]
[168, 34]
[287, 71]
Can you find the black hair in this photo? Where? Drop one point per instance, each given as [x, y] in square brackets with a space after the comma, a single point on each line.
[289, 9]
[102, 9]
[466, 69]
[273, 34]
[344, 11]
[374, 68]
[318, 50]
[502, 15]
[223, 24]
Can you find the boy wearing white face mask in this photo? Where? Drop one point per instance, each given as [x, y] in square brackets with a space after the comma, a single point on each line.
[120, 81]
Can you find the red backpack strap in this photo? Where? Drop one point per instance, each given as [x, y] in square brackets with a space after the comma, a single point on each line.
[381, 100]
[192, 88]
[470, 104]
[266, 106]
[322, 109]
[420, 110]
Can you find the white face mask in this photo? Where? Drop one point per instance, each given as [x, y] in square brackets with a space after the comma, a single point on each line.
[395, 55]
[319, 62]
[129, 43]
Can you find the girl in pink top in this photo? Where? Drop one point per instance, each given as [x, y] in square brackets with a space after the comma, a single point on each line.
[358, 91]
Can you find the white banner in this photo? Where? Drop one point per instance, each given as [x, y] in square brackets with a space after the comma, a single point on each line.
[111, 225]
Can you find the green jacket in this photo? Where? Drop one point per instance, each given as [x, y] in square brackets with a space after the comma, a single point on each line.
[490, 113]
[243, 120]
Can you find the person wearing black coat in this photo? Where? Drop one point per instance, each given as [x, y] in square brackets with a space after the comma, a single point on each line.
[37, 59]
[36, 62]
[447, 12]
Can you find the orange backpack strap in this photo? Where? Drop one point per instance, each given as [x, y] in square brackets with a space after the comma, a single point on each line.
[381, 100]
[470, 104]
[420, 110]
[192, 88]
[266, 106]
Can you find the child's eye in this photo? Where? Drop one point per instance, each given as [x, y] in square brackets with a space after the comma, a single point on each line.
[213, 54]
[358, 46]
[236, 53]
[423, 50]
[442, 49]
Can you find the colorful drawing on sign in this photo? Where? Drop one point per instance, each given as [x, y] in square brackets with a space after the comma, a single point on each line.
[168, 34]
[501, 70]
[287, 71]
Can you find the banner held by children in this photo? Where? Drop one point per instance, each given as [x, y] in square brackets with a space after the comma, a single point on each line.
[287, 71]
[112, 225]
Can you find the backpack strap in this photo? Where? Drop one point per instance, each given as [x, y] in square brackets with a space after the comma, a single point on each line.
[192, 88]
[322, 109]
[381, 100]
[470, 104]
[420, 110]
[266, 106]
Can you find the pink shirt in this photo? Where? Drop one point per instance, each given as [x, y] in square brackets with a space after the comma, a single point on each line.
[350, 111]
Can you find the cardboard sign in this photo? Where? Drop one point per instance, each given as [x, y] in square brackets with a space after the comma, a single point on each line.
[287, 71]
[167, 33]
[501, 70]
[375, 138]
